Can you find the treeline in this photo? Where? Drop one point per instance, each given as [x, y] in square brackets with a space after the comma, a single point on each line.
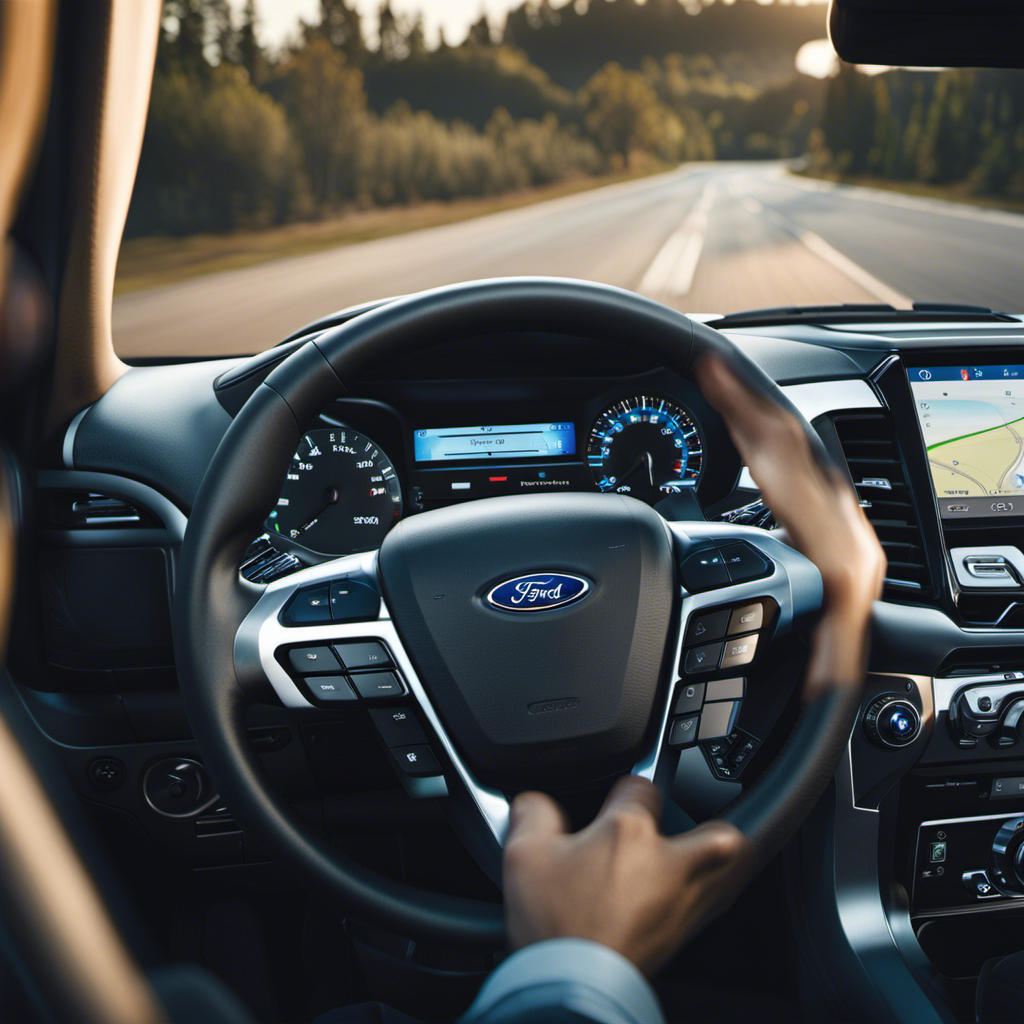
[238, 137]
[957, 127]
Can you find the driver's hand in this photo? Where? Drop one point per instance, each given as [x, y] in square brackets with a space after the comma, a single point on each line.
[618, 881]
[822, 518]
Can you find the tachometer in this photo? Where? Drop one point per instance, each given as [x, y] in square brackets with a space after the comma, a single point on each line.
[646, 447]
[341, 494]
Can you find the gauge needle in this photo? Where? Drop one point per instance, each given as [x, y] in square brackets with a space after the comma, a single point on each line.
[643, 460]
[332, 496]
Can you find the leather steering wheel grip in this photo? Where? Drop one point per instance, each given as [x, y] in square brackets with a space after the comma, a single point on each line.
[242, 484]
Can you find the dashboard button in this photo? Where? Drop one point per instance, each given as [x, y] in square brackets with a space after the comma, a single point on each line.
[369, 654]
[740, 651]
[704, 570]
[352, 601]
[702, 659]
[743, 562]
[309, 661]
[418, 759]
[717, 719]
[310, 606]
[746, 618]
[707, 626]
[398, 726]
[689, 697]
[332, 688]
[683, 731]
[373, 685]
[726, 689]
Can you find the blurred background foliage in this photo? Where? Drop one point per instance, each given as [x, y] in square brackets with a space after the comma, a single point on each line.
[242, 138]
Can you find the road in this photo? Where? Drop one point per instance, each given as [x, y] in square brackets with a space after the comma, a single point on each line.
[703, 238]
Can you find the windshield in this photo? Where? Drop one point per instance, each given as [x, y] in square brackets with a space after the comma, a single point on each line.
[306, 155]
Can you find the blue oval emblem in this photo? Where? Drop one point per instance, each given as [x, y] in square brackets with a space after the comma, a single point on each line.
[538, 592]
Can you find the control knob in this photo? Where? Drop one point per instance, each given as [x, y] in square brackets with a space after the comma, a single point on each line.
[892, 721]
[1006, 858]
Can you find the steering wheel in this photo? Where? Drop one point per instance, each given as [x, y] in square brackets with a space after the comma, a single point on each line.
[581, 687]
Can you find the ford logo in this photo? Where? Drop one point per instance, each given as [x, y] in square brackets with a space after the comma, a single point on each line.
[538, 592]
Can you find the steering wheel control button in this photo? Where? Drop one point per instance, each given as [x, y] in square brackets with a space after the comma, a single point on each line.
[377, 685]
[729, 755]
[311, 661]
[726, 689]
[310, 606]
[683, 731]
[702, 659]
[177, 787]
[352, 601]
[740, 651]
[417, 759]
[704, 570]
[743, 563]
[717, 719]
[689, 698]
[398, 726]
[747, 618]
[708, 626]
[330, 688]
[369, 654]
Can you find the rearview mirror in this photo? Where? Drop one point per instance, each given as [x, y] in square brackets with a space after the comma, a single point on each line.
[929, 33]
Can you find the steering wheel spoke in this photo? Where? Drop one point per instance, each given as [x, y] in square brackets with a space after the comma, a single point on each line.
[354, 658]
[742, 590]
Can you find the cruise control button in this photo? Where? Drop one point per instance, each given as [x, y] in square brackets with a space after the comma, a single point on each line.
[308, 661]
[707, 626]
[717, 719]
[352, 601]
[683, 731]
[398, 726]
[373, 685]
[363, 655]
[702, 659]
[417, 760]
[740, 651]
[743, 562]
[704, 570]
[310, 606]
[333, 688]
[689, 697]
[726, 689]
[746, 618]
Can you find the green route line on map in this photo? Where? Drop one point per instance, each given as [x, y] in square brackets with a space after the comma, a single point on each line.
[975, 433]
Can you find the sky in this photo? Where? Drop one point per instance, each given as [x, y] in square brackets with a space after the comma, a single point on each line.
[278, 18]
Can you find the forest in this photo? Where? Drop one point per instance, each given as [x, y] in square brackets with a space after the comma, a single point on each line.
[239, 137]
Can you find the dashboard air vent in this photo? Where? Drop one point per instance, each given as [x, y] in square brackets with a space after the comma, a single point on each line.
[869, 445]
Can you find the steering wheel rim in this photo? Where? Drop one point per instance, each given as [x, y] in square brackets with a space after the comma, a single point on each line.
[241, 486]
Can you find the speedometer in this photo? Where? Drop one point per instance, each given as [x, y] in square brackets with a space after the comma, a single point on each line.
[646, 447]
[341, 494]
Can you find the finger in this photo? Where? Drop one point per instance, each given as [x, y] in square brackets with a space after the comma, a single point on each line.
[535, 814]
[632, 792]
[714, 847]
[742, 409]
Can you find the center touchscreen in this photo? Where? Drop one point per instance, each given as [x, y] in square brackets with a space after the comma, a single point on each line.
[972, 422]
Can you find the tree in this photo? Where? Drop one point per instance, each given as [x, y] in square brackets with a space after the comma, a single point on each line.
[325, 97]
[392, 39]
[622, 112]
[342, 26]
[250, 53]
[479, 32]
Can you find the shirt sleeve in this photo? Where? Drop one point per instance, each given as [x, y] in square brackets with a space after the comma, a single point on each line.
[565, 980]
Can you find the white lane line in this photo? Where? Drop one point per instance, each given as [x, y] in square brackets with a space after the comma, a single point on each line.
[672, 269]
[817, 245]
[961, 211]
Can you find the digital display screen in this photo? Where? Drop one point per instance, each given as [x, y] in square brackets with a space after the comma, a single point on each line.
[517, 441]
[972, 422]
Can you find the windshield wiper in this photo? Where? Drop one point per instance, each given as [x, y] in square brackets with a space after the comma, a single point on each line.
[859, 312]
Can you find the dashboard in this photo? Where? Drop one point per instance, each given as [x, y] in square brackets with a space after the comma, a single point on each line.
[395, 451]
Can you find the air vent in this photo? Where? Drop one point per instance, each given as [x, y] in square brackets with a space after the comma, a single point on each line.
[870, 448]
[90, 510]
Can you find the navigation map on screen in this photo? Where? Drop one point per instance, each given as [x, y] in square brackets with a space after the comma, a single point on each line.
[972, 421]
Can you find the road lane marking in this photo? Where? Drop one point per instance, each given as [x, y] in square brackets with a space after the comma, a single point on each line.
[817, 245]
[672, 269]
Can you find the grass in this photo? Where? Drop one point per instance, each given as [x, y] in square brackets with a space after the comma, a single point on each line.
[957, 192]
[151, 262]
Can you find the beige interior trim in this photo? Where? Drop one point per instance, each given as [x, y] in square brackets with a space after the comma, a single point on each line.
[110, 119]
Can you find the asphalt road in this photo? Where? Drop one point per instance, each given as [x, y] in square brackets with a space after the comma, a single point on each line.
[704, 238]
